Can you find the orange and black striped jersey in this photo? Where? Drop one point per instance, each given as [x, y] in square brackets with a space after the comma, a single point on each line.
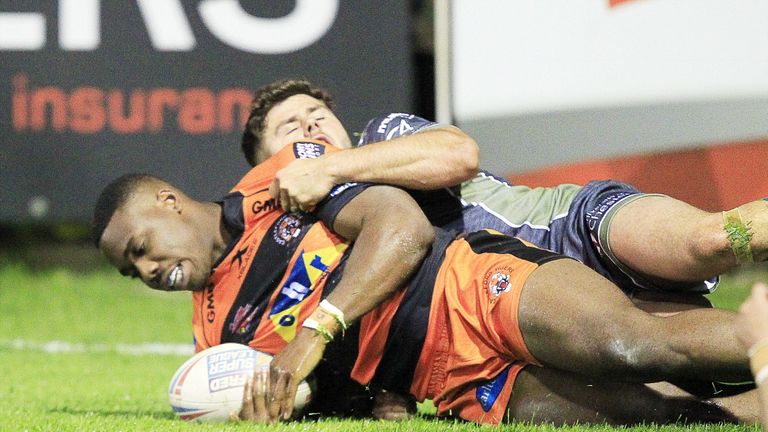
[278, 264]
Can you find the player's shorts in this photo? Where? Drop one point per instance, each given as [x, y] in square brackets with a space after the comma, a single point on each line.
[595, 207]
[474, 348]
[580, 232]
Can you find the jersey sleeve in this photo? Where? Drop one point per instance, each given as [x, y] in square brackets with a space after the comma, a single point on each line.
[339, 196]
[394, 125]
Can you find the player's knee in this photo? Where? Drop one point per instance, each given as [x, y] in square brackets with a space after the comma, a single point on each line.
[643, 358]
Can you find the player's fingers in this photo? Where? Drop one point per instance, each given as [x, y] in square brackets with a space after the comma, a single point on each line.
[274, 188]
[246, 411]
[280, 395]
[261, 381]
[273, 406]
[285, 203]
[296, 205]
[290, 396]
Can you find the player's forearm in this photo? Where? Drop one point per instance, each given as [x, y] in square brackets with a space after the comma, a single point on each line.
[431, 159]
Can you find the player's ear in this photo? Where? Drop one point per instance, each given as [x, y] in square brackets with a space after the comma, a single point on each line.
[170, 199]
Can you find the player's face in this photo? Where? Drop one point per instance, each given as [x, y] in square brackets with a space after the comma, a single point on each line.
[302, 117]
[149, 239]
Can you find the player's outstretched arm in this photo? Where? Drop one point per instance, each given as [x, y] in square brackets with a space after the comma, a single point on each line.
[391, 237]
[432, 159]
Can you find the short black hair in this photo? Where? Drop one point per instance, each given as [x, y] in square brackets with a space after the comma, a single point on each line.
[112, 197]
[264, 99]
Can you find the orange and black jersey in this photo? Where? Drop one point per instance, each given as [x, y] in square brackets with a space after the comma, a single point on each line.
[280, 265]
[277, 266]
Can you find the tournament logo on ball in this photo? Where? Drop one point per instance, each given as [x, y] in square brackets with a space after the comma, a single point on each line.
[497, 283]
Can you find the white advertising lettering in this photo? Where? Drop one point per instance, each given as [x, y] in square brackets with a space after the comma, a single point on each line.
[226, 382]
[79, 26]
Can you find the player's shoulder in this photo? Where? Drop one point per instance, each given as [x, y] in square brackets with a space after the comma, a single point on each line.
[393, 125]
[261, 175]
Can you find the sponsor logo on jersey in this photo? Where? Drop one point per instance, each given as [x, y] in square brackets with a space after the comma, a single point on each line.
[263, 206]
[307, 150]
[595, 216]
[210, 307]
[404, 128]
[497, 282]
[387, 120]
[340, 188]
[488, 392]
[307, 273]
[287, 228]
[243, 319]
[238, 257]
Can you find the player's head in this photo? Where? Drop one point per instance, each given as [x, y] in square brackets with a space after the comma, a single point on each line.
[148, 229]
[287, 111]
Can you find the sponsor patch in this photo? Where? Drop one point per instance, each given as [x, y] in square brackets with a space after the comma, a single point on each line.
[340, 188]
[243, 319]
[287, 228]
[305, 275]
[488, 392]
[307, 150]
[497, 281]
[596, 215]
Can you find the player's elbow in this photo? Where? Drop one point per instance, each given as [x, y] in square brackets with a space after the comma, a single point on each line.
[464, 154]
[470, 152]
[412, 230]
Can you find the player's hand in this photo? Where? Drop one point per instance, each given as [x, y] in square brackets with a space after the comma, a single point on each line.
[255, 398]
[752, 322]
[288, 368]
[301, 185]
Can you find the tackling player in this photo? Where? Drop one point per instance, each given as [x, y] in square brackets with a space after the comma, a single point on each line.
[648, 244]
[466, 330]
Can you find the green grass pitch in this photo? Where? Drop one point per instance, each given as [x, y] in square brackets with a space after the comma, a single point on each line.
[68, 359]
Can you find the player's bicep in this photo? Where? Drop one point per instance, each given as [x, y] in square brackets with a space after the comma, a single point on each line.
[386, 207]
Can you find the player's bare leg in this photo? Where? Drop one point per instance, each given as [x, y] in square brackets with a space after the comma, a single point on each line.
[573, 319]
[664, 238]
[542, 395]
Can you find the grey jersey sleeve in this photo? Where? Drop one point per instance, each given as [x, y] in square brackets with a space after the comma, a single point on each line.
[394, 125]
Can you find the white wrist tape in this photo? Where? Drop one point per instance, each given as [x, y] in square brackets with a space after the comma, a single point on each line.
[335, 312]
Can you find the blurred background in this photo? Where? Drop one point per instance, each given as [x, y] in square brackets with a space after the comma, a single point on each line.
[670, 95]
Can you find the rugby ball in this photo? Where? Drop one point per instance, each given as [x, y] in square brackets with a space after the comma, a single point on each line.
[209, 386]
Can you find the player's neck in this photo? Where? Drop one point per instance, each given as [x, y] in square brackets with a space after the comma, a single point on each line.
[212, 223]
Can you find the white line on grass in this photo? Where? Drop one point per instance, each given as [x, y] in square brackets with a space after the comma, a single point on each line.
[70, 347]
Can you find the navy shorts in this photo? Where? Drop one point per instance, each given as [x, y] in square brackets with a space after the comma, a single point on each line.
[578, 234]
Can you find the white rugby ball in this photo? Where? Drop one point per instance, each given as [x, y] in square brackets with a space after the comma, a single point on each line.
[209, 386]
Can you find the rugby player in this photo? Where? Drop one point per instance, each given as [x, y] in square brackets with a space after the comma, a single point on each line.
[645, 243]
[467, 330]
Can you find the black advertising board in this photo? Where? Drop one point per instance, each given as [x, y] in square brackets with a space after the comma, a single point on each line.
[95, 89]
